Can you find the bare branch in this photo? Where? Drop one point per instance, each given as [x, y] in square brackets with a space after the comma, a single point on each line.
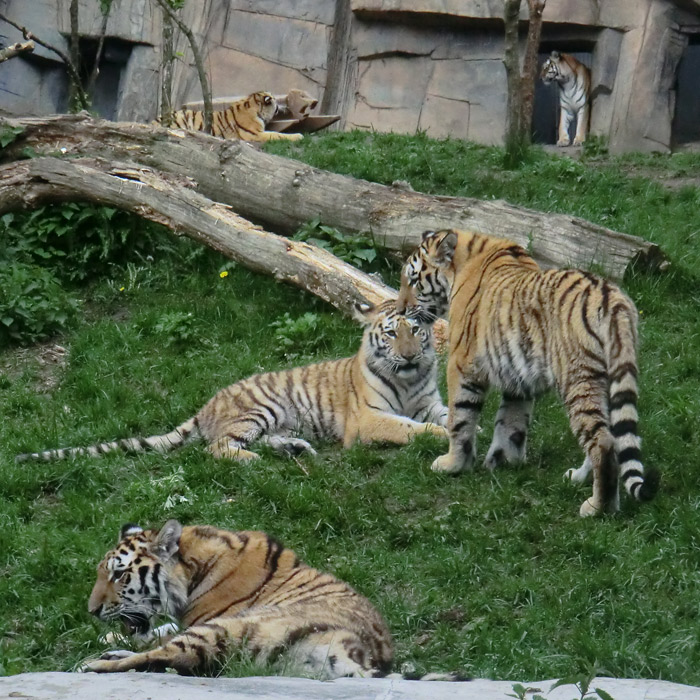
[15, 50]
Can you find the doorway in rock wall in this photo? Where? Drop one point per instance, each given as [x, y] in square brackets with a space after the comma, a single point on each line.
[545, 114]
[686, 120]
[112, 62]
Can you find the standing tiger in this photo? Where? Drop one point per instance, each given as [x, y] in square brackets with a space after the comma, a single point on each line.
[227, 590]
[525, 330]
[386, 392]
[574, 82]
[245, 119]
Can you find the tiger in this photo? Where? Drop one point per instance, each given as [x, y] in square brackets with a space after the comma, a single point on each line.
[574, 81]
[225, 591]
[296, 104]
[244, 119]
[387, 391]
[525, 330]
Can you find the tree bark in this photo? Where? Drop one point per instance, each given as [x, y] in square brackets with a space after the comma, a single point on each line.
[15, 50]
[283, 193]
[166, 72]
[171, 201]
[511, 62]
[529, 74]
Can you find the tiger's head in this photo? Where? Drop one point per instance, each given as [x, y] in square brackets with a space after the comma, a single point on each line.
[426, 277]
[137, 579]
[554, 69]
[264, 105]
[395, 343]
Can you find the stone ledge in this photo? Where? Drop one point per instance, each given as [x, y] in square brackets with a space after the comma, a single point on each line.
[153, 686]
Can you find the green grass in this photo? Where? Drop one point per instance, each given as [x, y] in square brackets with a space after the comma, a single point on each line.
[491, 574]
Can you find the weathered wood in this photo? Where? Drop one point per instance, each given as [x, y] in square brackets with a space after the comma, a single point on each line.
[16, 49]
[172, 202]
[283, 194]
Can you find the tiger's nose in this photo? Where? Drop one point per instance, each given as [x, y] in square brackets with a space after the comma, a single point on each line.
[95, 610]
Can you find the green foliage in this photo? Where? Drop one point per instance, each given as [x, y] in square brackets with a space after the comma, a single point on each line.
[8, 134]
[358, 249]
[520, 692]
[32, 304]
[298, 337]
[77, 241]
[176, 327]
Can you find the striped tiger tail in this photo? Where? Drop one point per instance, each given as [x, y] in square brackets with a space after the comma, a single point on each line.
[184, 433]
[623, 393]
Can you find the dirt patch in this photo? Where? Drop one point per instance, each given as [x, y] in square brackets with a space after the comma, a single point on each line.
[46, 360]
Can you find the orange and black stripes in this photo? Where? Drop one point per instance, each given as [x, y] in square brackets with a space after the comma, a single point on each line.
[524, 330]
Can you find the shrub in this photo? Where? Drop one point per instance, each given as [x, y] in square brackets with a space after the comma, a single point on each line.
[33, 305]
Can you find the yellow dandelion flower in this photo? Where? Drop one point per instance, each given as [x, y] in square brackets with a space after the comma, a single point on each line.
[121, 289]
[223, 273]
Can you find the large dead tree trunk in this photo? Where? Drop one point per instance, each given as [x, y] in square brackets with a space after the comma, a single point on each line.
[171, 201]
[283, 194]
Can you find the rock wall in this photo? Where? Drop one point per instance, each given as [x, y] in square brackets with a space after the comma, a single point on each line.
[387, 65]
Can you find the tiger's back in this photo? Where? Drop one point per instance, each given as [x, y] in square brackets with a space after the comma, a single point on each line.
[228, 589]
[524, 330]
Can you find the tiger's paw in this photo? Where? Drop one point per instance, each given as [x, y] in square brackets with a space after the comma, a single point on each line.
[106, 663]
[447, 465]
[579, 142]
[588, 509]
[437, 430]
[579, 475]
[562, 143]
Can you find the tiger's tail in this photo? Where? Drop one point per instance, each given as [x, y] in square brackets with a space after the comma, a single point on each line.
[188, 431]
[622, 368]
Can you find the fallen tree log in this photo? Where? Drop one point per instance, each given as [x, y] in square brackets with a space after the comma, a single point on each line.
[171, 201]
[282, 193]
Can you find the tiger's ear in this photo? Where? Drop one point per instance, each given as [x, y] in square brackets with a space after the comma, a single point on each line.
[555, 54]
[168, 539]
[426, 235]
[363, 312]
[128, 530]
[445, 250]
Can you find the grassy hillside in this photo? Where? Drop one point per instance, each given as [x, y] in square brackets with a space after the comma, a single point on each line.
[491, 574]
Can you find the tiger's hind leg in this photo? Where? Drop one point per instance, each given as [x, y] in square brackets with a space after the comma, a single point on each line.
[509, 442]
[287, 445]
[232, 438]
[586, 405]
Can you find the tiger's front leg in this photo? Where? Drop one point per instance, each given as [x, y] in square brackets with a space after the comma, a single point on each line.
[466, 398]
[581, 125]
[509, 442]
[565, 119]
[277, 136]
[376, 426]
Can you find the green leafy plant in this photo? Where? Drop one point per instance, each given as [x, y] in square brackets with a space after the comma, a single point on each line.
[33, 305]
[582, 683]
[78, 241]
[358, 249]
[520, 692]
[298, 337]
[176, 327]
[8, 134]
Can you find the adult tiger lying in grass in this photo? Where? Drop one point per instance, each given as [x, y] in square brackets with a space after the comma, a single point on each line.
[228, 590]
[386, 392]
[245, 119]
[525, 330]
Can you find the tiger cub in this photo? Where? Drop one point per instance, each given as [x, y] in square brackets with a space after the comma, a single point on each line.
[525, 330]
[574, 82]
[245, 119]
[227, 590]
[386, 392]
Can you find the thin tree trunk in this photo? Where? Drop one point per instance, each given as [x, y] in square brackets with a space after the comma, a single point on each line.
[529, 75]
[511, 61]
[198, 62]
[16, 50]
[98, 54]
[166, 73]
[75, 104]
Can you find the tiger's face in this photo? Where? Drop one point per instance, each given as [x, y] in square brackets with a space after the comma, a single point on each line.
[266, 105]
[552, 70]
[132, 581]
[425, 277]
[396, 342]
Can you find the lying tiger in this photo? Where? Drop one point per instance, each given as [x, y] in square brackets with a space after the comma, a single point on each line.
[386, 392]
[245, 119]
[227, 590]
[269, 601]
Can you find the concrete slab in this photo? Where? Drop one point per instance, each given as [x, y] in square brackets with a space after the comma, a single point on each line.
[151, 686]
